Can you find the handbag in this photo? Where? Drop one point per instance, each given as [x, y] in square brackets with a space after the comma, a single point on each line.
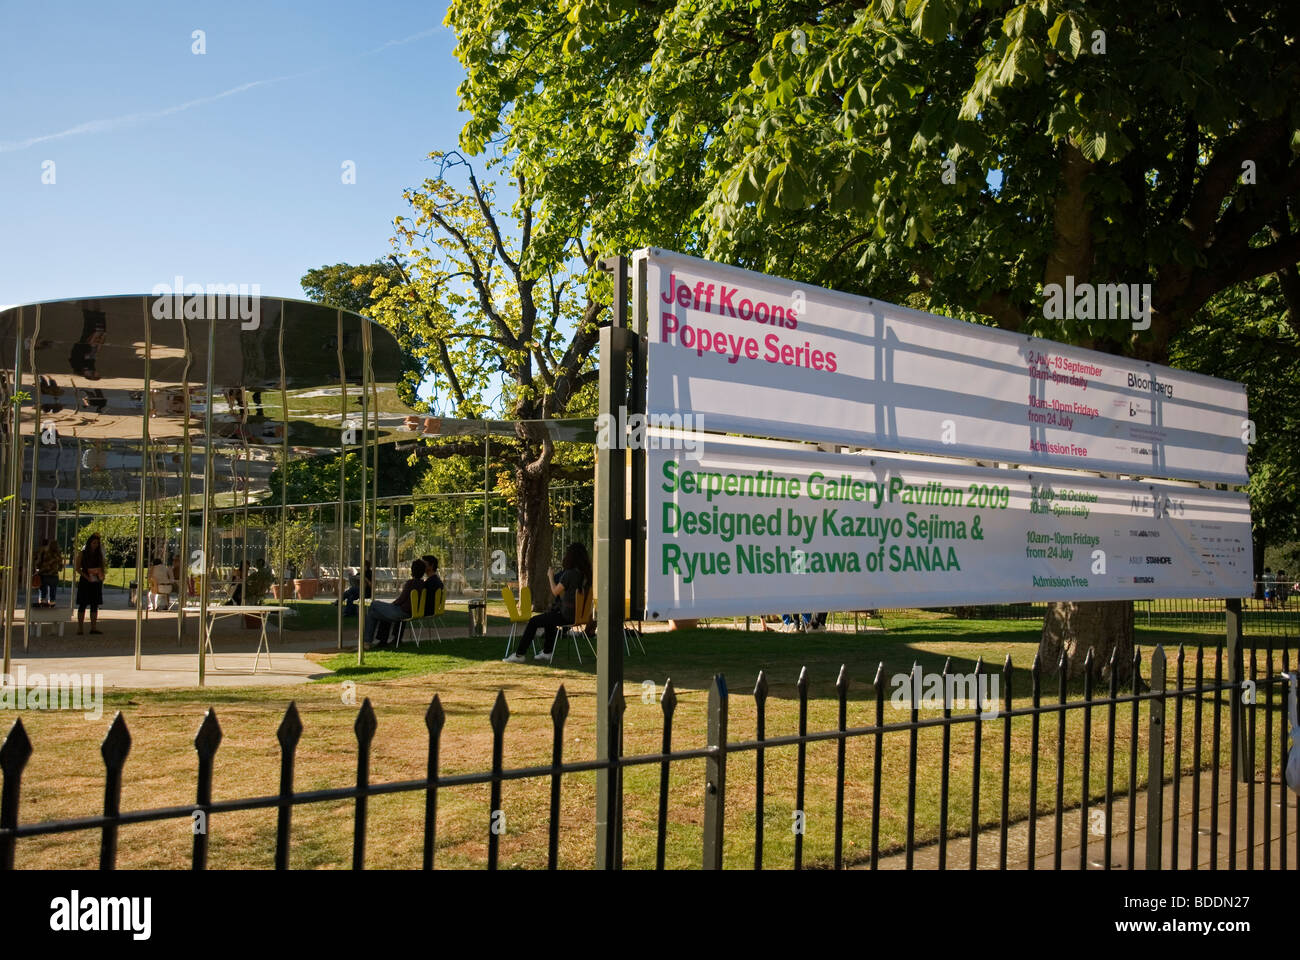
[36, 581]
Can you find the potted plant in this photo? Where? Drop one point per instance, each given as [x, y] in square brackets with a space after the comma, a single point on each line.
[306, 586]
[293, 554]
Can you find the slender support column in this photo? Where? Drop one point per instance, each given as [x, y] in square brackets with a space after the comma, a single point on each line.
[32, 501]
[140, 564]
[284, 469]
[363, 606]
[76, 532]
[343, 474]
[205, 587]
[187, 455]
[14, 478]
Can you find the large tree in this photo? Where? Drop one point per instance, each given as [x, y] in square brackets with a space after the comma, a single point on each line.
[487, 310]
[971, 152]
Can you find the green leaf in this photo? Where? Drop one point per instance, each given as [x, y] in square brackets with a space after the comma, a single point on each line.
[930, 22]
[1013, 25]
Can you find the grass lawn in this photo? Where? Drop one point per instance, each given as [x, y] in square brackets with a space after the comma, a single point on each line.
[65, 774]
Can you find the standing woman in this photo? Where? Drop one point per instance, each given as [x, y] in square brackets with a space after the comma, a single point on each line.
[89, 567]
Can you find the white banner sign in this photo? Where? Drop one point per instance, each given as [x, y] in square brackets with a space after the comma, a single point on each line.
[737, 528]
[747, 353]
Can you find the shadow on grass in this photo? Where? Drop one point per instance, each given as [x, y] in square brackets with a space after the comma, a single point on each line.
[691, 658]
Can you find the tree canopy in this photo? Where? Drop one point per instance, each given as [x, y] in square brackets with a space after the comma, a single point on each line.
[975, 151]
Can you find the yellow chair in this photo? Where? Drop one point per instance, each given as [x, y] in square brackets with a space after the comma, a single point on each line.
[518, 614]
[419, 599]
[429, 611]
[432, 615]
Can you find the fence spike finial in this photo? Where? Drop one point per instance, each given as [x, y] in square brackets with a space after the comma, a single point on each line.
[435, 716]
[720, 684]
[366, 723]
[560, 706]
[500, 712]
[760, 686]
[117, 743]
[879, 680]
[842, 681]
[668, 701]
[209, 736]
[16, 750]
[290, 729]
[802, 683]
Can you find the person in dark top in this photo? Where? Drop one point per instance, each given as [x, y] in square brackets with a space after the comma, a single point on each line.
[431, 579]
[383, 614]
[89, 567]
[575, 576]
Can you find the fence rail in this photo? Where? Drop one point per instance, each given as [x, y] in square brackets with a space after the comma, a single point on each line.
[1216, 688]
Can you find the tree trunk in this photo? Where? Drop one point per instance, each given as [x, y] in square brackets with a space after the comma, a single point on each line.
[534, 536]
[1100, 626]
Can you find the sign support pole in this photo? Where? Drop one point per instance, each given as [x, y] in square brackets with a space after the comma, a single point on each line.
[616, 350]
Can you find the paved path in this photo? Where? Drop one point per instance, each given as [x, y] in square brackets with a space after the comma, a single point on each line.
[163, 663]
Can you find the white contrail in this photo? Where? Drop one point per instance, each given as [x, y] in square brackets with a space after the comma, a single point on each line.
[113, 123]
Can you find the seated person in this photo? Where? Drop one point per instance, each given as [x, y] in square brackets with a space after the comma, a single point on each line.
[383, 614]
[353, 592]
[565, 585]
[432, 580]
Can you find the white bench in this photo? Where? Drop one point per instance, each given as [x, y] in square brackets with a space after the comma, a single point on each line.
[40, 616]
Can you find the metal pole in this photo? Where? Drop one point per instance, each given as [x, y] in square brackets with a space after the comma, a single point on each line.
[1156, 762]
[14, 476]
[485, 524]
[187, 455]
[365, 418]
[611, 537]
[204, 583]
[374, 490]
[144, 473]
[343, 472]
[76, 532]
[1236, 674]
[248, 455]
[284, 467]
[31, 511]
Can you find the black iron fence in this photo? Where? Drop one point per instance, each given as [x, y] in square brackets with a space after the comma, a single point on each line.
[1161, 823]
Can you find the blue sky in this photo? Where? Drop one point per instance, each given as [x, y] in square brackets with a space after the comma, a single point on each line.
[246, 188]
